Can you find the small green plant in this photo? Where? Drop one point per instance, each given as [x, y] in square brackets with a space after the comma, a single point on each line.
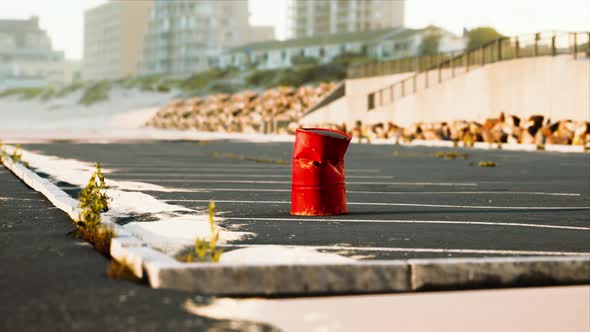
[3, 153]
[68, 89]
[16, 155]
[120, 270]
[451, 155]
[206, 250]
[163, 88]
[93, 201]
[95, 93]
[486, 163]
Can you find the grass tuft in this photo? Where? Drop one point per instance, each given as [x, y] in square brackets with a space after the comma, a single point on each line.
[451, 155]
[93, 201]
[120, 270]
[206, 250]
[486, 163]
[3, 153]
[95, 93]
[16, 155]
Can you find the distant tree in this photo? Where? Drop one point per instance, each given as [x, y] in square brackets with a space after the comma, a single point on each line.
[481, 35]
[430, 43]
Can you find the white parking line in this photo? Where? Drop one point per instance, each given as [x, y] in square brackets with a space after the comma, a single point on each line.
[463, 193]
[432, 250]
[222, 168]
[449, 184]
[205, 190]
[414, 222]
[479, 207]
[142, 176]
[3, 198]
[193, 165]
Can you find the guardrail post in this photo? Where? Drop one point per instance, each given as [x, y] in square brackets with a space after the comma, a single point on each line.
[575, 45]
[371, 101]
[403, 88]
[392, 93]
[516, 48]
[553, 47]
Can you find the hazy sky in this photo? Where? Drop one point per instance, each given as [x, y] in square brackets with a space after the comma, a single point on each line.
[63, 18]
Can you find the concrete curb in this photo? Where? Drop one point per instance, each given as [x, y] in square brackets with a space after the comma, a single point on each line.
[163, 271]
[499, 272]
[266, 279]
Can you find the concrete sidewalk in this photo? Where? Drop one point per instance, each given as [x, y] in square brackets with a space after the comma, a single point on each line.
[51, 281]
[548, 309]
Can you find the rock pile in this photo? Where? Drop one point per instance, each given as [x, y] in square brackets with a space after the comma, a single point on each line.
[275, 110]
[504, 129]
[279, 110]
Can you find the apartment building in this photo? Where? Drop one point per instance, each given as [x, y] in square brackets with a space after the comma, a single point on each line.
[27, 58]
[322, 17]
[114, 39]
[184, 37]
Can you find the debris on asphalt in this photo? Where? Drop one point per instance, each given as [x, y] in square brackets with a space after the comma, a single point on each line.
[451, 155]
[486, 163]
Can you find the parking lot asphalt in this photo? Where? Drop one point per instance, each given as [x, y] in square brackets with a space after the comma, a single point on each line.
[403, 202]
[52, 281]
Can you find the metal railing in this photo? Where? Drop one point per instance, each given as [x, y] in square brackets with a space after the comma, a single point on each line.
[403, 65]
[539, 44]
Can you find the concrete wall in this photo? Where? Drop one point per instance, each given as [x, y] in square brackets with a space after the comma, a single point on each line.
[557, 87]
[353, 105]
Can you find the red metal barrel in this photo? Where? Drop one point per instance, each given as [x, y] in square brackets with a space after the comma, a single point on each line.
[318, 183]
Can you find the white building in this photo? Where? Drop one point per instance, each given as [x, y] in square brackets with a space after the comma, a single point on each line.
[184, 37]
[385, 44]
[322, 17]
[113, 39]
[27, 58]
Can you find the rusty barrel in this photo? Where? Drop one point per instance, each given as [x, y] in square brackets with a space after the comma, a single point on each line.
[318, 181]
